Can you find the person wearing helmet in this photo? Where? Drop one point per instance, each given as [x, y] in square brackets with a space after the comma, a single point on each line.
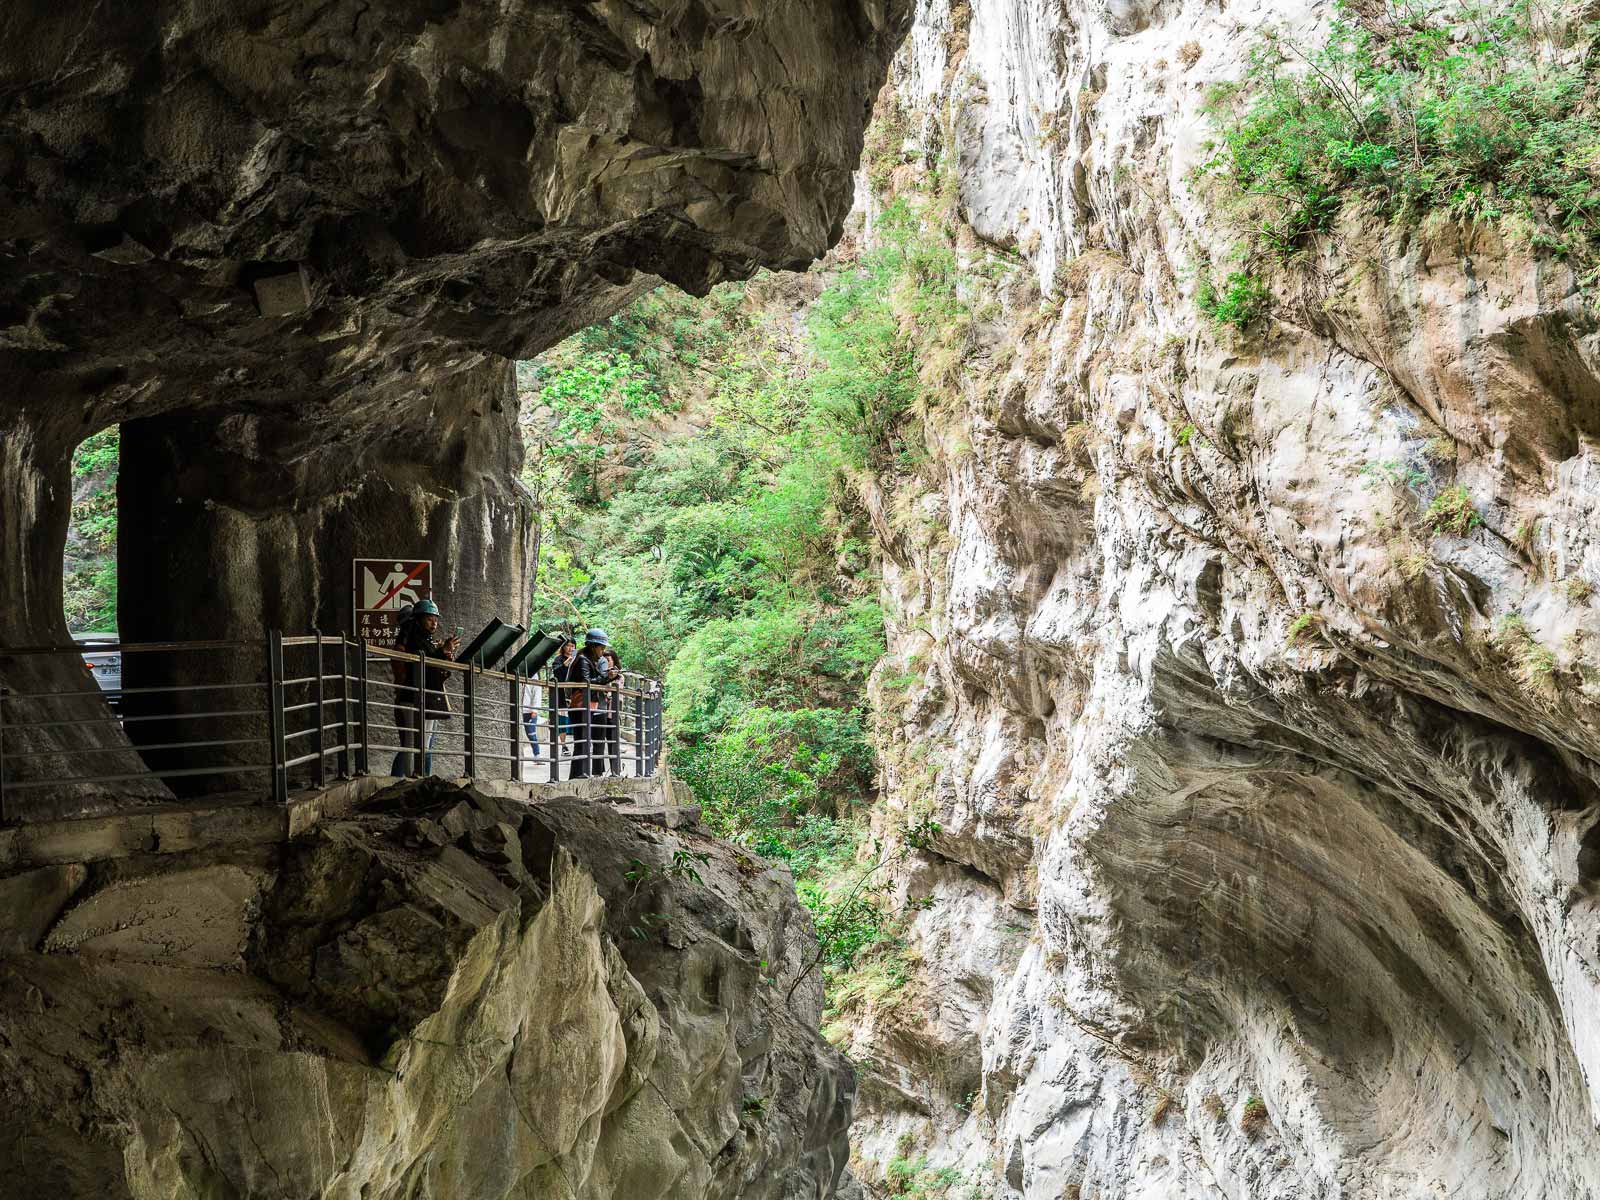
[589, 671]
[419, 635]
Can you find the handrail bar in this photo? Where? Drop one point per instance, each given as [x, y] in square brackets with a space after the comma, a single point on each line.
[99, 693]
[187, 716]
[179, 774]
[123, 647]
[139, 748]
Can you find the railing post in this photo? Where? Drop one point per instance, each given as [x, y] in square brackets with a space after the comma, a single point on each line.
[655, 732]
[344, 706]
[422, 712]
[280, 773]
[554, 698]
[515, 688]
[638, 728]
[588, 732]
[364, 755]
[321, 772]
[472, 703]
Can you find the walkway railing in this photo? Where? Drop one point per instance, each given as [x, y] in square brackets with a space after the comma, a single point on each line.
[302, 710]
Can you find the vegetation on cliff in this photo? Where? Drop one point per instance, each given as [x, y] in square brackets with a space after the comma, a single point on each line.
[696, 499]
[90, 564]
[1427, 112]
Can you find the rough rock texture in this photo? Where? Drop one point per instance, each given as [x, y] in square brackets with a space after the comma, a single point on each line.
[291, 246]
[442, 996]
[1349, 866]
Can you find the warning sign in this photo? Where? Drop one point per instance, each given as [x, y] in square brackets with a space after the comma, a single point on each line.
[384, 589]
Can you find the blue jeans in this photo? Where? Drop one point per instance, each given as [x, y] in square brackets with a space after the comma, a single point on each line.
[402, 761]
[530, 725]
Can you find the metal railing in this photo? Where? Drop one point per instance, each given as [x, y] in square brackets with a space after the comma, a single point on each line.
[302, 710]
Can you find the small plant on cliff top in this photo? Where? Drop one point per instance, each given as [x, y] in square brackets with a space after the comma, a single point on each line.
[1452, 512]
[1213, 1106]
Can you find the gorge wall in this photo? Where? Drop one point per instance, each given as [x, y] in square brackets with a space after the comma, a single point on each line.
[1269, 848]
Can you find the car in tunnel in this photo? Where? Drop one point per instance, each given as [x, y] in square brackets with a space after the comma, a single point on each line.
[104, 665]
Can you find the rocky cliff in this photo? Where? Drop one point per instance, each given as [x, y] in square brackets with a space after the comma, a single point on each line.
[441, 995]
[1247, 669]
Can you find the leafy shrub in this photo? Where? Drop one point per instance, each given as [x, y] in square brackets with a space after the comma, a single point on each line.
[1478, 111]
[1240, 301]
[1452, 512]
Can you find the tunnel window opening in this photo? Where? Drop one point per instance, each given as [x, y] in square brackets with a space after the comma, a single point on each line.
[89, 559]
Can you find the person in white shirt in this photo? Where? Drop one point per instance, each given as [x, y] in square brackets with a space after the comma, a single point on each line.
[531, 698]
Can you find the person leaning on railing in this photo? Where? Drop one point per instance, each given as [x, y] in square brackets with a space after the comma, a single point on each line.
[567, 701]
[589, 671]
[417, 636]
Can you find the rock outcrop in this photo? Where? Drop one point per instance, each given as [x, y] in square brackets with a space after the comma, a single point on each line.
[1270, 847]
[442, 995]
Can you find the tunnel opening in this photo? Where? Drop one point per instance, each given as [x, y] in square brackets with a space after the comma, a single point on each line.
[89, 557]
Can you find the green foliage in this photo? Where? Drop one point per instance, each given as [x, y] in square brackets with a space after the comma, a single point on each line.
[1254, 1118]
[1394, 472]
[89, 597]
[1452, 511]
[1304, 628]
[97, 453]
[587, 395]
[914, 1179]
[730, 557]
[764, 778]
[1477, 111]
[1240, 301]
[89, 584]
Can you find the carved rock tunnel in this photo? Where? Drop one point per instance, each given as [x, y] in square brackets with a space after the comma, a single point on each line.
[293, 249]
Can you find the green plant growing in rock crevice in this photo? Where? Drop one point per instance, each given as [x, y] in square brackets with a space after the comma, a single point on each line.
[1460, 108]
[1254, 1119]
[1533, 665]
[1305, 628]
[1238, 302]
[1453, 512]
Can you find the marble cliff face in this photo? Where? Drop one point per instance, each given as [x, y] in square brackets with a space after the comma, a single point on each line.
[1252, 785]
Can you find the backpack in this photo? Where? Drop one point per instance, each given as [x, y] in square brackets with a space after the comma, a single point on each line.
[400, 671]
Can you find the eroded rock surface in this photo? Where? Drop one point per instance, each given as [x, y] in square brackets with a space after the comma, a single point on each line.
[1252, 783]
[443, 995]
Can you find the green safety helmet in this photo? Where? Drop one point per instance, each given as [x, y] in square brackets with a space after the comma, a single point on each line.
[425, 608]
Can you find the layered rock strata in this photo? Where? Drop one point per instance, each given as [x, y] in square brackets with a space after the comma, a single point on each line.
[1270, 846]
[441, 995]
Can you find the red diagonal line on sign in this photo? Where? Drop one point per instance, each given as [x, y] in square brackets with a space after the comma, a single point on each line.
[392, 592]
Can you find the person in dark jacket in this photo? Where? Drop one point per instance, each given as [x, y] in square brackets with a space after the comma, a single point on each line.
[589, 670]
[418, 635]
[613, 711]
[560, 671]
